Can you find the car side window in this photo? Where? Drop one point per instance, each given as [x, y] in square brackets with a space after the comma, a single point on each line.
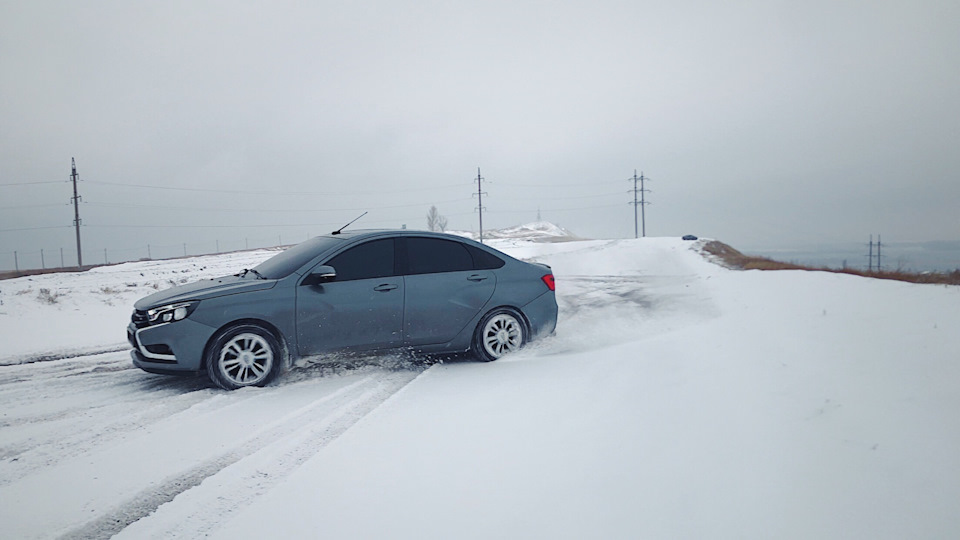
[369, 260]
[483, 260]
[433, 255]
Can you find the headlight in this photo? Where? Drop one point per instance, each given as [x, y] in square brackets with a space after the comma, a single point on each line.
[171, 313]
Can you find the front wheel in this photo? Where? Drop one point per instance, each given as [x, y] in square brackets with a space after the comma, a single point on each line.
[245, 355]
[500, 332]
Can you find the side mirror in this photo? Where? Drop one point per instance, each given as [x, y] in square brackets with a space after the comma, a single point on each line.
[321, 274]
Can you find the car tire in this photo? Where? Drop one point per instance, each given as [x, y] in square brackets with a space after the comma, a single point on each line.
[243, 355]
[500, 332]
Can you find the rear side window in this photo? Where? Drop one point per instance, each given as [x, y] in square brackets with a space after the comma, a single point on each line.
[483, 260]
[433, 255]
[370, 260]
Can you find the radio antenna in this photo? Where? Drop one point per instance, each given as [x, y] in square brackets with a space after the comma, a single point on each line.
[348, 224]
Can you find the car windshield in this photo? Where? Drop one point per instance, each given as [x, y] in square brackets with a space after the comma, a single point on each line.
[283, 264]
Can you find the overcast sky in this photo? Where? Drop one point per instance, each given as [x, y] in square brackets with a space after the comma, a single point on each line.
[760, 123]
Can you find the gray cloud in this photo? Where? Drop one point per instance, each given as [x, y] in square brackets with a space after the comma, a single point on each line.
[759, 122]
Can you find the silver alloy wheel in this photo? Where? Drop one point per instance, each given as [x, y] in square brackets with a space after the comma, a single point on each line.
[502, 334]
[246, 359]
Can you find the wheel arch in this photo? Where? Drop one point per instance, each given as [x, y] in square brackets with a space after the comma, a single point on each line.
[476, 346]
[266, 325]
[515, 309]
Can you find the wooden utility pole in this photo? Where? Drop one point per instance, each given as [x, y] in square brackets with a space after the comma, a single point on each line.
[479, 195]
[76, 211]
[879, 267]
[639, 190]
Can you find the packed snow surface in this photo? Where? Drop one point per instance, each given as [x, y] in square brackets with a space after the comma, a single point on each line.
[678, 399]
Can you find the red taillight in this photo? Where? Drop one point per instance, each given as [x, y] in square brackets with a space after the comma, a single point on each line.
[548, 280]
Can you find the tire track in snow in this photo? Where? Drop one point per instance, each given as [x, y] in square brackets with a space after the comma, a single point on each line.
[64, 409]
[229, 482]
[61, 355]
[596, 311]
[61, 438]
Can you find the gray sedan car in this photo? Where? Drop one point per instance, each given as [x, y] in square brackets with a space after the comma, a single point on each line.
[357, 292]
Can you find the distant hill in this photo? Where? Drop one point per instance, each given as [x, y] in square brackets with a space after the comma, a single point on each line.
[538, 231]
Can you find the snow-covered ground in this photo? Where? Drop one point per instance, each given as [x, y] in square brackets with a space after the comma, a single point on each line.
[50, 315]
[678, 399]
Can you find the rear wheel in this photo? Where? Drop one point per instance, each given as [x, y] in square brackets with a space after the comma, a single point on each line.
[244, 355]
[500, 332]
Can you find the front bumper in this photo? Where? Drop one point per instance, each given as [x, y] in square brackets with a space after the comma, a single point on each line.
[170, 347]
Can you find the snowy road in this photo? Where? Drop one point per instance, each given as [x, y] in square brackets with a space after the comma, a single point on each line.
[121, 442]
[678, 399]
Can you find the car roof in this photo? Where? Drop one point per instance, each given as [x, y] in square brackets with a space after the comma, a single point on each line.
[359, 234]
[356, 233]
[362, 233]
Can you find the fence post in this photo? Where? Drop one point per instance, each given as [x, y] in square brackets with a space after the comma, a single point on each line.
[16, 262]
[43, 263]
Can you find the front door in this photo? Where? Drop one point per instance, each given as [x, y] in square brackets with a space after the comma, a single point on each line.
[361, 309]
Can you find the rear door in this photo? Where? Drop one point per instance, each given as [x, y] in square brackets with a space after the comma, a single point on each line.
[361, 309]
[442, 292]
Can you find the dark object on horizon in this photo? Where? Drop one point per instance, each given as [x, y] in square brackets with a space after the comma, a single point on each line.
[689, 237]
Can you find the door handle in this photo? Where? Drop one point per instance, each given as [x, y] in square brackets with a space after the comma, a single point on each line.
[385, 287]
[476, 277]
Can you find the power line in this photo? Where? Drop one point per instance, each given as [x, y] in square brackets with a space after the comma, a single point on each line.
[37, 228]
[235, 209]
[572, 209]
[32, 183]
[76, 200]
[267, 192]
[551, 186]
[595, 196]
[229, 226]
[30, 206]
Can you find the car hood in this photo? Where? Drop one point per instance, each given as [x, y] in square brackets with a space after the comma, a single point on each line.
[201, 290]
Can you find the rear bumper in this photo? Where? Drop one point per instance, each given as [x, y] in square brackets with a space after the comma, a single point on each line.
[542, 315]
